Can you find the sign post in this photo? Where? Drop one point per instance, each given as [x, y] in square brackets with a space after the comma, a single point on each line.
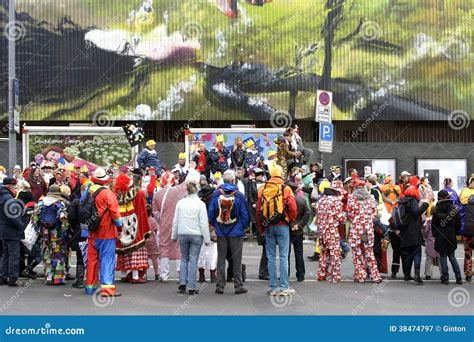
[326, 136]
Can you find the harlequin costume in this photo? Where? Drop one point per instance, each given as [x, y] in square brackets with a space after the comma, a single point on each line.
[361, 210]
[101, 243]
[252, 156]
[131, 250]
[54, 236]
[329, 216]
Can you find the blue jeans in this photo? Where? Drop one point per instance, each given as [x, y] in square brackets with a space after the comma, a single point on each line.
[190, 246]
[278, 235]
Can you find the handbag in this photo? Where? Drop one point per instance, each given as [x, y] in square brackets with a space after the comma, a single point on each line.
[31, 235]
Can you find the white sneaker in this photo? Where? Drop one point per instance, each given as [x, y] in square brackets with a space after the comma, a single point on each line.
[287, 292]
[275, 292]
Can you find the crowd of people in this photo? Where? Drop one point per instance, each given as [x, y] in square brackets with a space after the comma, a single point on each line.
[198, 213]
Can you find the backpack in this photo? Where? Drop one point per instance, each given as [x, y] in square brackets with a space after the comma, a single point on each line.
[225, 203]
[49, 216]
[399, 216]
[87, 212]
[273, 208]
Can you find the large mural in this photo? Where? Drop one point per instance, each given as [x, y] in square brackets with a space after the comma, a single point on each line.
[106, 60]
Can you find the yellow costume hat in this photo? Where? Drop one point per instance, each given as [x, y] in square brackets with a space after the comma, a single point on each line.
[271, 154]
[150, 142]
[324, 185]
[219, 138]
[249, 143]
[182, 155]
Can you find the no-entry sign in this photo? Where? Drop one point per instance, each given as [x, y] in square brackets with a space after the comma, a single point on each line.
[323, 106]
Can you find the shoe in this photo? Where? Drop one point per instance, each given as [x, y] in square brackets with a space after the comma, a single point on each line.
[264, 277]
[468, 279]
[163, 280]
[407, 278]
[270, 291]
[78, 284]
[378, 281]
[445, 281]
[140, 280]
[393, 276]
[314, 257]
[459, 281]
[193, 292]
[300, 280]
[16, 284]
[287, 292]
[275, 292]
[23, 274]
[427, 278]
[69, 276]
[343, 256]
[241, 290]
[213, 276]
[220, 291]
[3, 282]
[157, 277]
[182, 288]
[116, 294]
[417, 278]
[202, 277]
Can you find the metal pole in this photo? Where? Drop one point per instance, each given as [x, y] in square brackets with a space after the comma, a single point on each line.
[11, 91]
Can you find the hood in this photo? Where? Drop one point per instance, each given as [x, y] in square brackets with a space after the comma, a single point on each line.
[361, 194]
[51, 199]
[407, 199]
[4, 191]
[444, 208]
[228, 188]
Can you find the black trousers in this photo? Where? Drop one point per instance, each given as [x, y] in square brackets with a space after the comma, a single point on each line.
[395, 243]
[10, 265]
[297, 241]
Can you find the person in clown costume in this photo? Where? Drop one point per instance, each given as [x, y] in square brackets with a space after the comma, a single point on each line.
[132, 259]
[329, 216]
[219, 155]
[181, 167]
[252, 156]
[148, 157]
[361, 210]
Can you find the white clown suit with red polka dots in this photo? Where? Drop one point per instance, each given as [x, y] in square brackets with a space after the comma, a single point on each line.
[361, 209]
[329, 215]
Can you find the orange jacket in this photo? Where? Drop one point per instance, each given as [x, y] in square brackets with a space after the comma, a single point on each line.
[108, 209]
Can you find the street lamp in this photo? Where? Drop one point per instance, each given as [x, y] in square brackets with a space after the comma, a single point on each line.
[11, 89]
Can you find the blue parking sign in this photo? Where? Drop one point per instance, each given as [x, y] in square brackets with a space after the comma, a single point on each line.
[326, 135]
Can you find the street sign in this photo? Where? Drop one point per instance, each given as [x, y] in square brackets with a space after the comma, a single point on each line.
[326, 137]
[16, 92]
[323, 106]
[16, 121]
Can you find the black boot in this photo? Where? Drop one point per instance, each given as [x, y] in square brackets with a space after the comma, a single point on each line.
[417, 278]
[79, 283]
[202, 277]
[29, 270]
[314, 257]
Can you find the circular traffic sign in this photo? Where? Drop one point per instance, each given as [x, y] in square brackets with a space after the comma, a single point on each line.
[324, 98]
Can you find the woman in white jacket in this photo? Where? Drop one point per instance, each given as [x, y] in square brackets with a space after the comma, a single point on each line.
[190, 228]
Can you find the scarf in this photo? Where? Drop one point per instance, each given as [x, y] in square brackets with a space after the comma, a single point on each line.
[201, 167]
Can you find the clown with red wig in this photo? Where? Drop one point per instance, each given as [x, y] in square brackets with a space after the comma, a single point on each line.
[132, 258]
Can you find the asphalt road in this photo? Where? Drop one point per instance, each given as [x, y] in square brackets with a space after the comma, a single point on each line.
[392, 297]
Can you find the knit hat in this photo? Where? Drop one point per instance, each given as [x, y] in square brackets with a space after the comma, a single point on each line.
[182, 155]
[219, 138]
[443, 194]
[203, 178]
[54, 190]
[9, 181]
[17, 167]
[276, 171]
[150, 142]
[100, 176]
